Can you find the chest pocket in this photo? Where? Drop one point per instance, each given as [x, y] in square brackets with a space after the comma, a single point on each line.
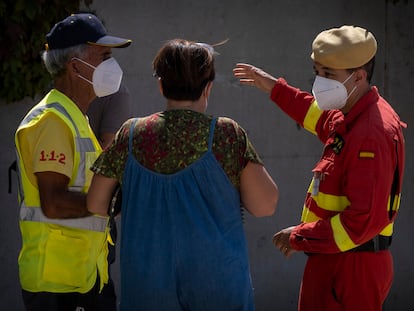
[328, 179]
[323, 168]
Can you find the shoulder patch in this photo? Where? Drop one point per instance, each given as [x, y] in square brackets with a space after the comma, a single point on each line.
[338, 144]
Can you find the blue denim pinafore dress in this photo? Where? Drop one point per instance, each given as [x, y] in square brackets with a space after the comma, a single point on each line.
[182, 240]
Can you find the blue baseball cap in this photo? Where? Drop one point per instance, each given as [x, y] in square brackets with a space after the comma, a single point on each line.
[83, 28]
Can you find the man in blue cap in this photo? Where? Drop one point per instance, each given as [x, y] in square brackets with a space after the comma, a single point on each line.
[63, 261]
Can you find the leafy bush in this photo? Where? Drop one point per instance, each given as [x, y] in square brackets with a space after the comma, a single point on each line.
[24, 24]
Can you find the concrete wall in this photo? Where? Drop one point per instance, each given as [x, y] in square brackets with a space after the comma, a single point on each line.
[275, 35]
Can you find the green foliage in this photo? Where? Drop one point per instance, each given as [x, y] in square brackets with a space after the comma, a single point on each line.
[24, 24]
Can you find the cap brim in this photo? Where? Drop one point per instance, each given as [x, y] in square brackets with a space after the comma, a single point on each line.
[113, 42]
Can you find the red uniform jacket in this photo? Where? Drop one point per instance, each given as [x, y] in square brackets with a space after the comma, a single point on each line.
[348, 201]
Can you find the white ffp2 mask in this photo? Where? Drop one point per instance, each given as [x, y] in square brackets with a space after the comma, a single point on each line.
[330, 94]
[106, 77]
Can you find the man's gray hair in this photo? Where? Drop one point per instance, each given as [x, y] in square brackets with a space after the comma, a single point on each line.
[55, 60]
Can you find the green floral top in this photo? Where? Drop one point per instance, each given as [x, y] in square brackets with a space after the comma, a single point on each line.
[168, 141]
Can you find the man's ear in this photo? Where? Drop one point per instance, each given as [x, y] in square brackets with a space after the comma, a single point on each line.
[72, 67]
[360, 75]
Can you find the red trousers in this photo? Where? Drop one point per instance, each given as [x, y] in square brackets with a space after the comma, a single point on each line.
[352, 281]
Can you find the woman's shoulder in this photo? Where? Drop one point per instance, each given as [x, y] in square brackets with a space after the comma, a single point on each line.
[141, 120]
[226, 123]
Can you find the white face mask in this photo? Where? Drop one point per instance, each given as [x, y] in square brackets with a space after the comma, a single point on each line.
[330, 94]
[106, 77]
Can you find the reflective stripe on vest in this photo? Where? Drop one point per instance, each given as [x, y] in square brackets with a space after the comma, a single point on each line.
[82, 144]
[93, 223]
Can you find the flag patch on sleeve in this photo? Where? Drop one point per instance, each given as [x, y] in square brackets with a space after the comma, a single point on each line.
[366, 154]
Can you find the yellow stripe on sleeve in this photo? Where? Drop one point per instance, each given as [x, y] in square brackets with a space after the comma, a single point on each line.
[342, 239]
[312, 117]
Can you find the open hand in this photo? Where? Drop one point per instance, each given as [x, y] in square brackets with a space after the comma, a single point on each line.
[250, 75]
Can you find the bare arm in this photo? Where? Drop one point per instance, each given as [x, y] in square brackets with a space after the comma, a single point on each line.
[100, 194]
[259, 193]
[250, 75]
[56, 200]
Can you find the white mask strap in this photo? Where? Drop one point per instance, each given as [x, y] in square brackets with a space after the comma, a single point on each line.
[346, 80]
[82, 61]
[354, 88]
[351, 92]
[83, 78]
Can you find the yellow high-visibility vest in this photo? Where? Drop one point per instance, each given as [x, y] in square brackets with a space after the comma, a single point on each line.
[61, 255]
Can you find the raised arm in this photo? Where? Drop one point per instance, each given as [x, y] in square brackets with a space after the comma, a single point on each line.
[250, 75]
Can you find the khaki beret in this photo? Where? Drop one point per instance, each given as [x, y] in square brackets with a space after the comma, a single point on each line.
[344, 48]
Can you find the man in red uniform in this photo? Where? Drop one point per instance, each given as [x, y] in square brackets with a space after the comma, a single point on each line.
[352, 201]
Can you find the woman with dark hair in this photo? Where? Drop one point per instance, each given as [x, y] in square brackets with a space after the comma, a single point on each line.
[184, 175]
